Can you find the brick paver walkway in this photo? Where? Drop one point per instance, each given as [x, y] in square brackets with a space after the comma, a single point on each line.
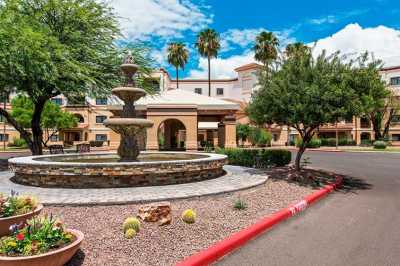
[237, 178]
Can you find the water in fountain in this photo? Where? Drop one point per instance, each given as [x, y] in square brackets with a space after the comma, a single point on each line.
[128, 126]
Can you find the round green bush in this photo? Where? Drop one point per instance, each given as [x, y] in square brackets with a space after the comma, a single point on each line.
[313, 143]
[380, 145]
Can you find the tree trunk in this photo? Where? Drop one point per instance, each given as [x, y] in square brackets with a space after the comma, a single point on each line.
[37, 132]
[26, 135]
[299, 154]
[209, 76]
[177, 78]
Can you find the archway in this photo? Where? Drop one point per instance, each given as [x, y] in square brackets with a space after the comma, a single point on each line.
[80, 118]
[172, 135]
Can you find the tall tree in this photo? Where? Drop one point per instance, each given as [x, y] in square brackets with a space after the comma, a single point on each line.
[208, 45]
[178, 56]
[266, 48]
[296, 49]
[50, 47]
[53, 118]
[305, 93]
[379, 103]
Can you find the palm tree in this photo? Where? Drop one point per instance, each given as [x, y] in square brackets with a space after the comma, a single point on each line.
[266, 48]
[297, 48]
[178, 56]
[208, 44]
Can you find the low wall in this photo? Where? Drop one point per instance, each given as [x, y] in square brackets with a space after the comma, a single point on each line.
[32, 172]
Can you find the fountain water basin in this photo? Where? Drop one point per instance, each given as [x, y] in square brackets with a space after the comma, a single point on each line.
[104, 170]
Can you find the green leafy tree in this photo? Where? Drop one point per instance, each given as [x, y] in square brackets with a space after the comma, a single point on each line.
[208, 45]
[53, 118]
[242, 132]
[379, 103]
[266, 48]
[178, 56]
[305, 93]
[50, 47]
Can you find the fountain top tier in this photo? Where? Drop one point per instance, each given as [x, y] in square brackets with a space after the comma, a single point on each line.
[128, 125]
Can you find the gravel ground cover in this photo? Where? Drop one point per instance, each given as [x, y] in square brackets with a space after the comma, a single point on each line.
[154, 245]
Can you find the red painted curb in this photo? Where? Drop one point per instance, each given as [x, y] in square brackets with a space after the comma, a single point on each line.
[220, 249]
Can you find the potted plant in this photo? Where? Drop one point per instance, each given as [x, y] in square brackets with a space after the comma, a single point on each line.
[16, 209]
[41, 241]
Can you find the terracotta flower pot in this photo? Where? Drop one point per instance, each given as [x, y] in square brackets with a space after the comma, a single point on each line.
[57, 257]
[6, 222]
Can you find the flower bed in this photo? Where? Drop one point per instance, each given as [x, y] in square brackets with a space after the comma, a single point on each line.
[41, 241]
[16, 209]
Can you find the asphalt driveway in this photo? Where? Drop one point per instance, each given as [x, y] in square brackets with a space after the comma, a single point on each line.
[356, 227]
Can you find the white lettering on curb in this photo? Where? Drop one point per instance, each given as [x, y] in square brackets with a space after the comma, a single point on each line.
[298, 207]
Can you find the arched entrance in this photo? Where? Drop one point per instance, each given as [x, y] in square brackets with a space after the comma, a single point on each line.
[172, 135]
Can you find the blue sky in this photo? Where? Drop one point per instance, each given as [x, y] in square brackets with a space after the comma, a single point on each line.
[352, 26]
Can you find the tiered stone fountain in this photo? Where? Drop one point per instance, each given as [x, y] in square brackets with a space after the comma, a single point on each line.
[128, 169]
[128, 126]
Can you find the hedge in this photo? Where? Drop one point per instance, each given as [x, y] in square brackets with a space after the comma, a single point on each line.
[313, 143]
[259, 158]
[331, 142]
[380, 145]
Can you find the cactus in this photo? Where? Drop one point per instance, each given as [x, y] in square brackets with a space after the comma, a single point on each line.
[130, 233]
[189, 216]
[131, 223]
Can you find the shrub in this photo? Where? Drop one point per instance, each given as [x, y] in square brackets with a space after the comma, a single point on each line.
[130, 233]
[256, 157]
[276, 157]
[380, 145]
[240, 204]
[314, 143]
[259, 136]
[331, 142]
[38, 236]
[131, 223]
[242, 131]
[18, 142]
[189, 216]
[96, 143]
[366, 142]
[16, 205]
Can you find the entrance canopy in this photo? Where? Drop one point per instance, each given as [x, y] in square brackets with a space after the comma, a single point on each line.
[193, 113]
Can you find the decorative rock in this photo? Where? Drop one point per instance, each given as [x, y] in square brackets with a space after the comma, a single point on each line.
[155, 213]
[165, 220]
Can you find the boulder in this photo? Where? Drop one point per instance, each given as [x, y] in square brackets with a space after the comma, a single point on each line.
[156, 212]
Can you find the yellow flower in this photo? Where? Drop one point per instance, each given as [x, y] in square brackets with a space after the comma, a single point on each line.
[12, 244]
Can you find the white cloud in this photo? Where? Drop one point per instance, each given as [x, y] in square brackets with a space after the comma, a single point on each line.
[328, 19]
[246, 37]
[142, 19]
[222, 68]
[382, 41]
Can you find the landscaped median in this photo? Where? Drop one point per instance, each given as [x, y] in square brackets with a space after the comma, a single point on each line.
[222, 248]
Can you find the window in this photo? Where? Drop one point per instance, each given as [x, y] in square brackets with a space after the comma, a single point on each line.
[101, 137]
[396, 119]
[198, 91]
[2, 119]
[395, 81]
[101, 101]
[396, 137]
[3, 137]
[220, 91]
[54, 138]
[57, 101]
[100, 119]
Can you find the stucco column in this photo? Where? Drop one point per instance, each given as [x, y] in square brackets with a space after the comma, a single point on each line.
[152, 141]
[230, 134]
[191, 133]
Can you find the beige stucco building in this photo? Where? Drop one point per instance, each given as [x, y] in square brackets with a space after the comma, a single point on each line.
[186, 118]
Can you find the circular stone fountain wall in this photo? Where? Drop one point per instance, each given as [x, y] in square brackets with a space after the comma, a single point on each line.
[102, 170]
